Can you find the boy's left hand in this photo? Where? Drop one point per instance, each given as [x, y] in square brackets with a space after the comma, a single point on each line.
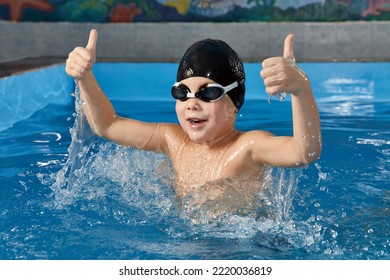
[281, 74]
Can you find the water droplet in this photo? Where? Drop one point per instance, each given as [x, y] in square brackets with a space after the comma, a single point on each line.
[333, 233]
[269, 98]
[281, 96]
[322, 175]
[317, 228]
[327, 251]
[312, 154]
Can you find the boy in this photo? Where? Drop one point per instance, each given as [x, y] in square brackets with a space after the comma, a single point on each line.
[206, 148]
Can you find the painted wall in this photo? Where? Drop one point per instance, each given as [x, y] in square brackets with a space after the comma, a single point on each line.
[193, 10]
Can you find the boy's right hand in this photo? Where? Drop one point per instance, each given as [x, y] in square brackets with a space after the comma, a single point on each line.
[81, 60]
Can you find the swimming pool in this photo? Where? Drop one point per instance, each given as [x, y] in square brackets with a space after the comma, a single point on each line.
[65, 194]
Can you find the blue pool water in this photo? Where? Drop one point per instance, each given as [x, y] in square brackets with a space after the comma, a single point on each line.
[65, 194]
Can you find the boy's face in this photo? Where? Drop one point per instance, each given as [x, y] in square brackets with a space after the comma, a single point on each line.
[205, 122]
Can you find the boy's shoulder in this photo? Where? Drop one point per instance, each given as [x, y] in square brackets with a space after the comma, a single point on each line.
[245, 141]
[171, 132]
[171, 129]
[253, 135]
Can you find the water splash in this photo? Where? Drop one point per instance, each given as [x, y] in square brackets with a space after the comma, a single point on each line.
[268, 220]
[280, 96]
[83, 143]
[135, 187]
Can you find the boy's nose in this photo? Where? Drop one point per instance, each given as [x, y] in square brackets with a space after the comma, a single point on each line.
[193, 104]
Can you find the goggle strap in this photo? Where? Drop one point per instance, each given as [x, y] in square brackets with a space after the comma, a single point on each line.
[230, 87]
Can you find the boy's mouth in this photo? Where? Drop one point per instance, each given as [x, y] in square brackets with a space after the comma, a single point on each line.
[195, 121]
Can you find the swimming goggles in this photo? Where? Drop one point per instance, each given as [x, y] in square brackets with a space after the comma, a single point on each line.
[208, 93]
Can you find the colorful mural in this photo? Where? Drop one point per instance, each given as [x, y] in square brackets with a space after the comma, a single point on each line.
[193, 10]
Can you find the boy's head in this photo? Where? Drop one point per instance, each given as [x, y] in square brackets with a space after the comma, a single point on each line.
[215, 60]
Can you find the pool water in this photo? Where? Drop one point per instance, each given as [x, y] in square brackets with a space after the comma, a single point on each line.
[66, 194]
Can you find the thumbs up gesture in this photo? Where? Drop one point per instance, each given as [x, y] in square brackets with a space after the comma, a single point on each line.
[281, 74]
[81, 59]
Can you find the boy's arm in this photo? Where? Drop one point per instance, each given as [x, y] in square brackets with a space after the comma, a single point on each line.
[99, 110]
[281, 74]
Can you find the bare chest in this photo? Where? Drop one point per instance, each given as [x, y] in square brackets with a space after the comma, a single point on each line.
[194, 167]
[200, 165]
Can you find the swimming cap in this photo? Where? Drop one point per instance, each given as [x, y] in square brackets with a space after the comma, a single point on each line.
[215, 60]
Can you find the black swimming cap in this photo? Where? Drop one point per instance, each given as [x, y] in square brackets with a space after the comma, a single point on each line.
[215, 60]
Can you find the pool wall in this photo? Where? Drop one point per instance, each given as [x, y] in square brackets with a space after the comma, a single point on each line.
[24, 94]
[166, 42]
